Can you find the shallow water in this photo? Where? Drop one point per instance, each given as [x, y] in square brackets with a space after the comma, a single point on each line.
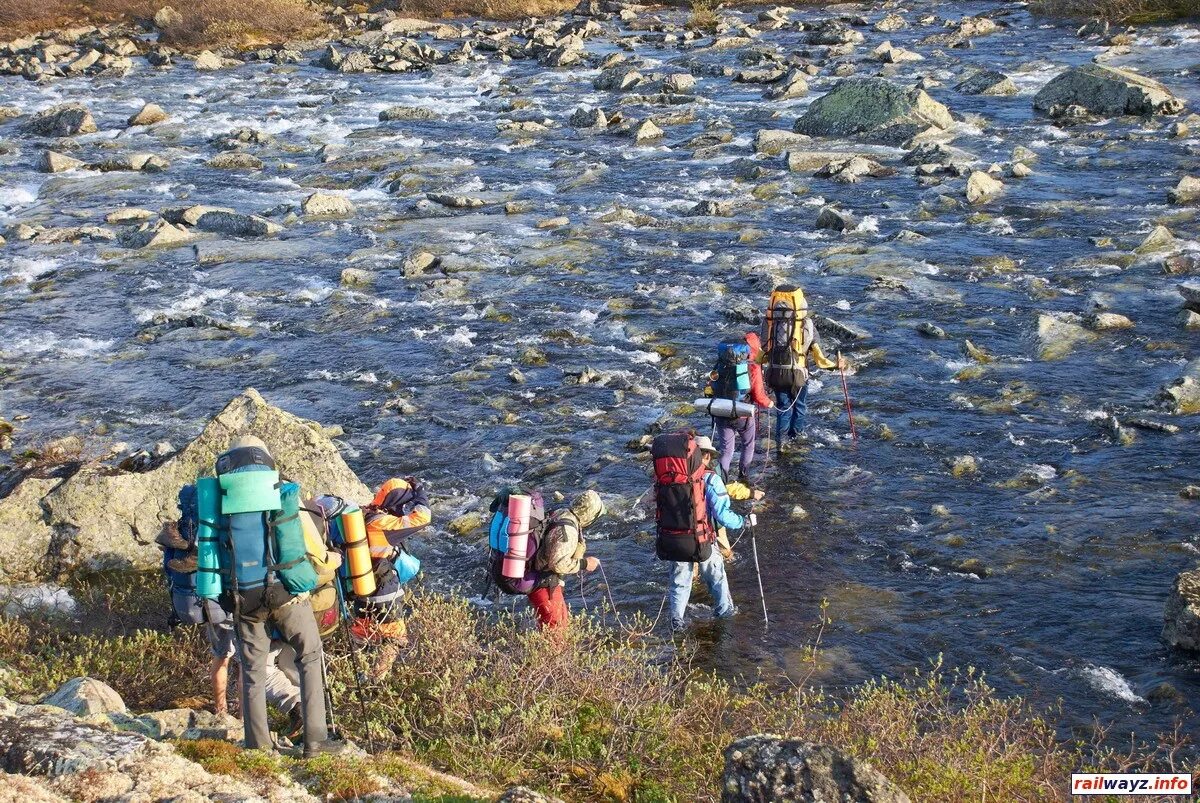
[1080, 549]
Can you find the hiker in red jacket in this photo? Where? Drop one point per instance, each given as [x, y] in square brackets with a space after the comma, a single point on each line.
[728, 429]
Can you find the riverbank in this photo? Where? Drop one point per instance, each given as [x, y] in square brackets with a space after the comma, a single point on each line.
[609, 712]
[215, 24]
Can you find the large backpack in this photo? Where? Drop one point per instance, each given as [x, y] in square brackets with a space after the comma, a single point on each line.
[190, 608]
[262, 541]
[684, 532]
[498, 541]
[787, 337]
[731, 377]
[317, 541]
[557, 552]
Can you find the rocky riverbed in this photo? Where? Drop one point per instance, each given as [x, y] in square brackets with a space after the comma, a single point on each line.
[480, 252]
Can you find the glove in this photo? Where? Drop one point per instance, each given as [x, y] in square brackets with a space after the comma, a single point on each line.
[753, 519]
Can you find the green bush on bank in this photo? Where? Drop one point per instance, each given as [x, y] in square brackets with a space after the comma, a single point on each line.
[600, 713]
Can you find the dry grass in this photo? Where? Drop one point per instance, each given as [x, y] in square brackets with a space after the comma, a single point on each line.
[1138, 11]
[703, 16]
[205, 23]
[599, 714]
[486, 9]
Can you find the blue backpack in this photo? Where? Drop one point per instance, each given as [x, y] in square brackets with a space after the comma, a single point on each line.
[731, 378]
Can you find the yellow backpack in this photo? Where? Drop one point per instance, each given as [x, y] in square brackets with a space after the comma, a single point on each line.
[787, 338]
[324, 597]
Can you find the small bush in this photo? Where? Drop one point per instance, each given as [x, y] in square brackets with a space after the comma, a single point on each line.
[703, 16]
[487, 9]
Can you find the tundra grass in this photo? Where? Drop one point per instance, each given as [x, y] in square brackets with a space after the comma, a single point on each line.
[602, 712]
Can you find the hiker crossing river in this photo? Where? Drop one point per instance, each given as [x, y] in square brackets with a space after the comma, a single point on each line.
[514, 272]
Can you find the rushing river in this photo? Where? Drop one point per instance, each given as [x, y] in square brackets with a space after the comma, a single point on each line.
[1048, 567]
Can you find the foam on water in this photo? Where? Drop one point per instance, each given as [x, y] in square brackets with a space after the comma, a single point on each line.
[1110, 682]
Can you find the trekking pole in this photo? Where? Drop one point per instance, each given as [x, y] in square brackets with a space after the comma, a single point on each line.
[846, 393]
[758, 573]
[358, 674]
[330, 721]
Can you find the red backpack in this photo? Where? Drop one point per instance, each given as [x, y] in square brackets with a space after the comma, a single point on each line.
[684, 532]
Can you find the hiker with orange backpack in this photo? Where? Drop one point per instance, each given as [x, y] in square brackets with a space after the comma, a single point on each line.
[691, 504]
[399, 509]
[789, 339]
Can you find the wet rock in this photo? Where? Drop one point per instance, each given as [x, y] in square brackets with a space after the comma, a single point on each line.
[712, 209]
[792, 85]
[647, 132]
[805, 161]
[931, 330]
[765, 767]
[1189, 319]
[1019, 170]
[1179, 264]
[456, 201]
[406, 113]
[66, 120]
[988, 82]
[1187, 191]
[324, 205]
[148, 162]
[207, 61]
[889, 54]
[1108, 92]
[85, 696]
[854, 169]
[357, 277]
[1160, 238]
[161, 234]
[55, 162]
[834, 32]
[1108, 321]
[1190, 492]
[1181, 626]
[128, 214]
[236, 224]
[235, 160]
[587, 117]
[1182, 396]
[618, 78]
[466, 523]
[1059, 333]
[891, 23]
[982, 188]
[875, 109]
[835, 219]
[150, 114]
[101, 517]
[679, 83]
[772, 142]
[553, 222]
[963, 465]
[418, 264]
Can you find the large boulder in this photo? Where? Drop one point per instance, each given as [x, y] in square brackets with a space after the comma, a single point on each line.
[66, 120]
[1182, 397]
[99, 516]
[1107, 91]
[1181, 625]
[873, 109]
[47, 753]
[760, 768]
[86, 696]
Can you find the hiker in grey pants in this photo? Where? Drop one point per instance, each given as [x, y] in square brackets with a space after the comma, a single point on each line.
[296, 626]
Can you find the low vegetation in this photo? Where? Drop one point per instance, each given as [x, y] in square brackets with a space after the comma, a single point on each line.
[1124, 11]
[200, 24]
[485, 9]
[602, 713]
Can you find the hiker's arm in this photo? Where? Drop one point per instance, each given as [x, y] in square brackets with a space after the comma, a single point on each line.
[723, 514]
[819, 356]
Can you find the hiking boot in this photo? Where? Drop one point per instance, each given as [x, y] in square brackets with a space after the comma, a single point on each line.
[329, 747]
[742, 478]
[170, 538]
[184, 565]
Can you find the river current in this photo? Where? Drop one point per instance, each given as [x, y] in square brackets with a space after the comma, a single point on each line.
[1047, 567]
